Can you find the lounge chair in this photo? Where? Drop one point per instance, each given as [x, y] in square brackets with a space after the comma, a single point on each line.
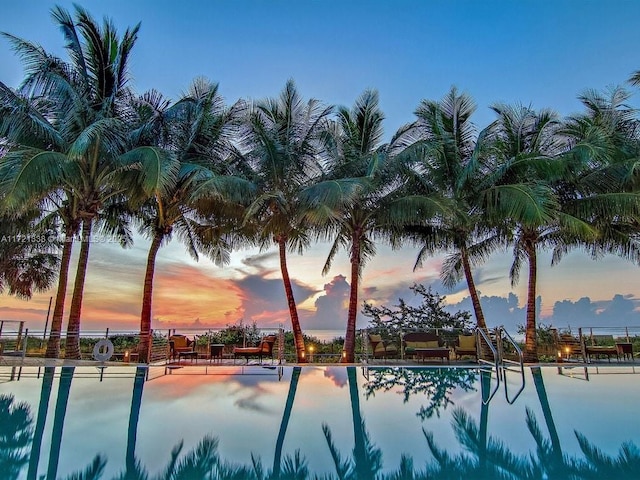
[381, 348]
[425, 345]
[466, 346]
[601, 345]
[264, 349]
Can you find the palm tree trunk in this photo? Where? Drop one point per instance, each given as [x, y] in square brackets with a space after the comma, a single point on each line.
[277, 456]
[53, 344]
[475, 299]
[134, 416]
[147, 298]
[43, 408]
[64, 389]
[350, 334]
[72, 349]
[293, 311]
[531, 344]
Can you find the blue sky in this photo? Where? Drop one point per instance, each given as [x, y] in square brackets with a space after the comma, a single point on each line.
[537, 53]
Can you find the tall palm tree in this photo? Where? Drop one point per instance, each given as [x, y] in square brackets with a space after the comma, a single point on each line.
[282, 144]
[35, 130]
[520, 193]
[185, 167]
[90, 93]
[361, 200]
[448, 158]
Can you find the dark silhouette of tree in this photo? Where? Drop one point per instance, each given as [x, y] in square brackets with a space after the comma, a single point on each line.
[15, 436]
[434, 384]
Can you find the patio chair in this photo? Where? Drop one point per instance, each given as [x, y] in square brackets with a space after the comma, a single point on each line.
[466, 346]
[180, 345]
[264, 349]
[381, 348]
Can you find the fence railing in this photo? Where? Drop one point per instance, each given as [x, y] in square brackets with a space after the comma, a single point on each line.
[124, 346]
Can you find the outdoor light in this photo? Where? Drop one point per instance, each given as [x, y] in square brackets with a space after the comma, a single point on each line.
[125, 358]
[344, 354]
[559, 359]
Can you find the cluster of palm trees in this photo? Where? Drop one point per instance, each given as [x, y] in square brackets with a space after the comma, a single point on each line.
[88, 153]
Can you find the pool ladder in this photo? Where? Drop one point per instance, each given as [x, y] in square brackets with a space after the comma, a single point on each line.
[494, 342]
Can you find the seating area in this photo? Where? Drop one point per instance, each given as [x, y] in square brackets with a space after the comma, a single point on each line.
[263, 350]
[466, 347]
[382, 348]
[181, 347]
[422, 345]
[597, 346]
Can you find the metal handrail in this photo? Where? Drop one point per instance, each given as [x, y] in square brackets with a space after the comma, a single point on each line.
[508, 337]
[481, 333]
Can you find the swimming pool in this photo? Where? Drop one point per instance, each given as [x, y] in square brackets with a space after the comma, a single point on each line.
[364, 422]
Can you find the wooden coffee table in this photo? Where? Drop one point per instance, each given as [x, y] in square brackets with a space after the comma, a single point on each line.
[436, 352]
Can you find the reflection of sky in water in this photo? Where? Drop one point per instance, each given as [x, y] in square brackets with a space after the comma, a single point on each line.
[244, 412]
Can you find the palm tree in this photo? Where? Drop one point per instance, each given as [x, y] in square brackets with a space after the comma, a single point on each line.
[88, 96]
[361, 199]
[282, 144]
[26, 259]
[520, 194]
[35, 131]
[448, 159]
[186, 170]
[602, 181]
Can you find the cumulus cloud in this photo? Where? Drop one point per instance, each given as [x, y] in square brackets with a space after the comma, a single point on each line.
[331, 308]
[263, 298]
[620, 311]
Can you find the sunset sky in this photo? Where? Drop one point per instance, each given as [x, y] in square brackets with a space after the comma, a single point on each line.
[542, 54]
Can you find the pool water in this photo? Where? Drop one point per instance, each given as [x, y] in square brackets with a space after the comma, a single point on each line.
[318, 422]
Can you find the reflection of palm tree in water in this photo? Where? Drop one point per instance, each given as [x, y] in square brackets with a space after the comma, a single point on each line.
[367, 459]
[15, 436]
[484, 457]
[286, 414]
[436, 385]
[64, 388]
[41, 420]
[134, 416]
